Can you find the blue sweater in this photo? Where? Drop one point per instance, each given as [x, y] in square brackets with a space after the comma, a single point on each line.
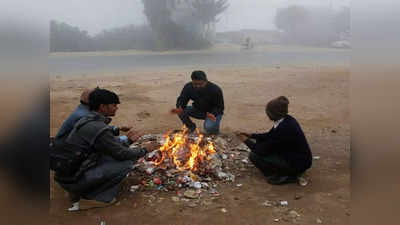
[287, 141]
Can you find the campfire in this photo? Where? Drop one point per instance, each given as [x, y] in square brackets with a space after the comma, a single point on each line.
[187, 160]
[186, 152]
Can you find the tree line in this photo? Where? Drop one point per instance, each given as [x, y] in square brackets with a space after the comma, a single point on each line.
[301, 25]
[171, 26]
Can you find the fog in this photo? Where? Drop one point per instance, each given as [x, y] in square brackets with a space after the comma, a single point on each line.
[96, 15]
[195, 24]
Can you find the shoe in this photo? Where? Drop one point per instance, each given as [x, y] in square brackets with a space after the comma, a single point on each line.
[88, 204]
[279, 180]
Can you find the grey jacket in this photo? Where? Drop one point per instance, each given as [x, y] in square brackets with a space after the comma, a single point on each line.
[93, 133]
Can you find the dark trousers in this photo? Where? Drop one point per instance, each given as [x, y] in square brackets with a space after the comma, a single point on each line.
[210, 126]
[273, 165]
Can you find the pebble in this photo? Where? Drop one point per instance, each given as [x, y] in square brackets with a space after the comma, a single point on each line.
[191, 194]
[293, 214]
[224, 210]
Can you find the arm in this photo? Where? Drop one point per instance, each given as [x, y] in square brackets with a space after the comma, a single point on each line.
[269, 143]
[260, 136]
[107, 144]
[184, 97]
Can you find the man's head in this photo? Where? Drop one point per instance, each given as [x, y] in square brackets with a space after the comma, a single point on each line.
[277, 108]
[85, 96]
[103, 101]
[199, 79]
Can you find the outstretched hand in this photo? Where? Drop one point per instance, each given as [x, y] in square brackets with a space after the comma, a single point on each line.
[125, 128]
[242, 135]
[177, 111]
[211, 117]
[134, 135]
[152, 146]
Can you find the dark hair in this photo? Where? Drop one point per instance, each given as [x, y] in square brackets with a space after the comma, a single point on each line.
[277, 108]
[102, 96]
[199, 75]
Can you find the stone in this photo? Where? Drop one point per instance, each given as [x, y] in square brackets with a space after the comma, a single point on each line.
[268, 203]
[192, 205]
[191, 194]
[293, 214]
[302, 181]
[298, 196]
[224, 210]
[221, 142]
[175, 199]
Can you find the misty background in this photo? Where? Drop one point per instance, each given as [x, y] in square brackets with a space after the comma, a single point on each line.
[197, 24]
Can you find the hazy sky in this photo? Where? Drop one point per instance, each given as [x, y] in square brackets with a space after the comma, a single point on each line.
[96, 15]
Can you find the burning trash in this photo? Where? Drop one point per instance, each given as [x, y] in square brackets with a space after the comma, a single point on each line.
[185, 152]
[186, 160]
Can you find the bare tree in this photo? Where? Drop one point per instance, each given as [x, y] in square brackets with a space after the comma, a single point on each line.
[290, 18]
[208, 10]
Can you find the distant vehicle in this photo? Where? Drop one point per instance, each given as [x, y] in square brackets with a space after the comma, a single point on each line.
[248, 44]
[341, 44]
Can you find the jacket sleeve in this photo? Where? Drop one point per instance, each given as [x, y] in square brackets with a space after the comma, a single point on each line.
[107, 144]
[260, 136]
[184, 97]
[266, 144]
[219, 103]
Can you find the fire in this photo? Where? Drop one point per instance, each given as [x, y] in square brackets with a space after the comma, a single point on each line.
[186, 152]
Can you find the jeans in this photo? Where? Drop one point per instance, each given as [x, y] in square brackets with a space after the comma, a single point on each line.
[210, 126]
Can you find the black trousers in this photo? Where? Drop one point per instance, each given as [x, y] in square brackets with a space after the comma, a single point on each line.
[273, 165]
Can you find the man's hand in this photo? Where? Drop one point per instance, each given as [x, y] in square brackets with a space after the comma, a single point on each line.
[211, 117]
[237, 133]
[242, 136]
[125, 128]
[134, 135]
[177, 111]
[152, 146]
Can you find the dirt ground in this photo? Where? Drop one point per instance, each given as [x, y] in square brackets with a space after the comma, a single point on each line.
[319, 99]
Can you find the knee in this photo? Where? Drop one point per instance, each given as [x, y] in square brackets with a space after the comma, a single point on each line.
[211, 127]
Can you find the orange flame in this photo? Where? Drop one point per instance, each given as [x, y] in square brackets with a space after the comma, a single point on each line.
[185, 153]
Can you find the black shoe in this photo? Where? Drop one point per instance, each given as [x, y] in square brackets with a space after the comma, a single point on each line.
[279, 180]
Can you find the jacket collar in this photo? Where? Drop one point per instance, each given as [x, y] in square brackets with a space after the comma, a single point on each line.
[99, 116]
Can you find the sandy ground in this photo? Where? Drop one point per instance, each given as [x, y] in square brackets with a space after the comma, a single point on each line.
[319, 99]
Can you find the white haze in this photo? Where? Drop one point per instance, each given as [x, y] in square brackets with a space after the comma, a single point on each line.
[97, 15]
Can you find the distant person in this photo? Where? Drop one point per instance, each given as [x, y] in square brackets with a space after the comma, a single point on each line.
[82, 110]
[282, 154]
[92, 163]
[208, 103]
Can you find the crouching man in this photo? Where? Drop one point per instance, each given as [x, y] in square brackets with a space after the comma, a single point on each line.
[282, 154]
[91, 163]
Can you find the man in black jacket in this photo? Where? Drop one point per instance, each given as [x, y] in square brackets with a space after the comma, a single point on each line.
[109, 161]
[282, 154]
[208, 103]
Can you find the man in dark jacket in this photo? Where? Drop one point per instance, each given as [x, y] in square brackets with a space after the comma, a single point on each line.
[282, 154]
[83, 110]
[208, 103]
[108, 163]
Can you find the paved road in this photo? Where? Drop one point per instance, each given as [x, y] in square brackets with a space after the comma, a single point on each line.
[78, 64]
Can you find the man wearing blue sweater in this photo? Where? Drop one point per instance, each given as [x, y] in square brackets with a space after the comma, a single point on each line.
[282, 153]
